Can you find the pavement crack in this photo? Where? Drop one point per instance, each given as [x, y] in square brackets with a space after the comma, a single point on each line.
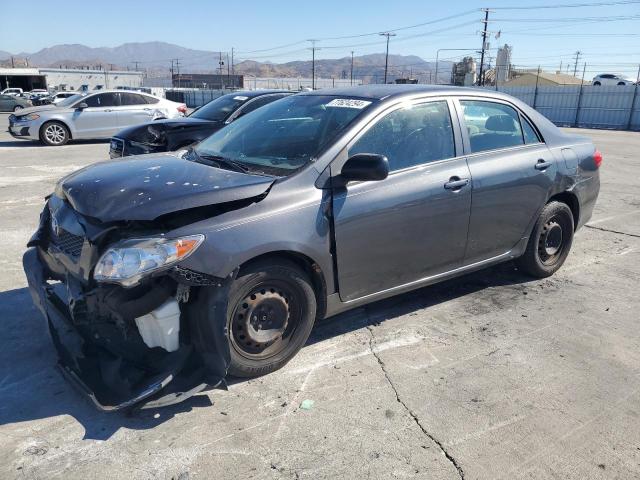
[411, 413]
[613, 231]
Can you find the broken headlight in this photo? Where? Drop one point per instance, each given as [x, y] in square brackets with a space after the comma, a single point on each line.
[128, 262]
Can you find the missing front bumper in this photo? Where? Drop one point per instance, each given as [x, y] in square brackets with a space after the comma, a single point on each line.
[95, 370]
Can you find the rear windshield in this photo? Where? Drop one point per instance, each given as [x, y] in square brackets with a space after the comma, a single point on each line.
[285, 135]
[220, 108]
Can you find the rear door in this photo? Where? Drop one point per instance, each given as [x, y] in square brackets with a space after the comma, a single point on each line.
[134, 110]
[512, 172]
[99, 119]
[413, 224]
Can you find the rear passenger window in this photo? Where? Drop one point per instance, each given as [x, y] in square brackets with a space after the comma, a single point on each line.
[491, 125]
[410, 136]
[530, 135]
[150, 99]
[132, 99]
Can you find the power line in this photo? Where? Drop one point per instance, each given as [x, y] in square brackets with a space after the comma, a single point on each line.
[568, 5]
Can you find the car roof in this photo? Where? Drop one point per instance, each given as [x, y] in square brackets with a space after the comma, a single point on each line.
[382, 92]
[257, 93]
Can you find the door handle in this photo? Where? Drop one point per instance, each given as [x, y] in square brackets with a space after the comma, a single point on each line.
[456, 183]
[542, 164]
[108, 110]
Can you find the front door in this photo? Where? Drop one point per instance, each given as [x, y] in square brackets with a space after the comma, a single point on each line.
[512, 171]
[413, 224]
[99, 119]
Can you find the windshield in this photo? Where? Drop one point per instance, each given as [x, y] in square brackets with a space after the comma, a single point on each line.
[285, 135]
[68, 101]
[220, 108]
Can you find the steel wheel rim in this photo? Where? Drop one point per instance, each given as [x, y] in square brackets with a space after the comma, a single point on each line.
[17, 108]
[55, 134]
[264, 321]
[552, 241]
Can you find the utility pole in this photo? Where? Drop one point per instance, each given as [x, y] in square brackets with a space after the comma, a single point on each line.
[178, 72]
[313, 63]
[228, 71]
[575, 67]
[386, 57]
[484, 46]
[12, 64]
[135, 62]
[232, 72]
[351, 67]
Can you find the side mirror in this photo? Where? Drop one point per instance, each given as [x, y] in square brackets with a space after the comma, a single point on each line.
[365, 166]
[81, 106]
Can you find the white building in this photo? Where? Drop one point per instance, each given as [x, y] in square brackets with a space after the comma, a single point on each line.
[503, 63]
[69, 79]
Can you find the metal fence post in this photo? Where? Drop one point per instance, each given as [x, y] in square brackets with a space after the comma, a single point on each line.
[633, 100]
[575, 122]
[535, 92]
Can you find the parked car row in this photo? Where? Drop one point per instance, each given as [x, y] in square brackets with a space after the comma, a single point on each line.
[179, 269]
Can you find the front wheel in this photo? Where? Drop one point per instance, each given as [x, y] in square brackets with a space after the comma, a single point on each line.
[54, 134]
[550, 241]
[270, 314]
[17, 108]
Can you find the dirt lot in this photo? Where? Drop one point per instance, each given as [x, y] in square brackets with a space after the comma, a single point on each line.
[488, 376]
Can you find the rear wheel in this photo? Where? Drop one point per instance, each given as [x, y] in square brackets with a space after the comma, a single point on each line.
[17, 108]
[271, 311]
[550, 241]
[54, 134]
[621, 83]
[597, 84]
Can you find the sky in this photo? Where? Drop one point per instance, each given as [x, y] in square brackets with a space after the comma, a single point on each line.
[608, 35]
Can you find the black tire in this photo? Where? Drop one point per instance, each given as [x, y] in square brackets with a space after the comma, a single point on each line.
[17, 108]
[550, 241]
[621, 83]
[268, 294]
[597, 84]
[54, 134]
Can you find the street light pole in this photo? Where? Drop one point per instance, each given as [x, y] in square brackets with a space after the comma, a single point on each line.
[351, 67]
[386, 57]
[313, 63]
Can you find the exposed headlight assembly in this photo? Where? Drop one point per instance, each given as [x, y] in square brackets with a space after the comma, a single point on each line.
[28, 117]
[126, 263]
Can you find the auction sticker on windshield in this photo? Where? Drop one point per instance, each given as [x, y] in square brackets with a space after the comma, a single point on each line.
[348, 103]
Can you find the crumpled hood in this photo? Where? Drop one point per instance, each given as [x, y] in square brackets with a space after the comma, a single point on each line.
[148, 186]
[138, 132]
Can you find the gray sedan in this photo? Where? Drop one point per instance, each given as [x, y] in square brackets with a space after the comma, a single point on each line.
[93, 115]
[13, 103]
[217, 261]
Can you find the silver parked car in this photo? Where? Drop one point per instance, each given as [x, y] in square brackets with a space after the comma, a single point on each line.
[93, 115]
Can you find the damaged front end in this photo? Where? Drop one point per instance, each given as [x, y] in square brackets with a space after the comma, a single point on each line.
[127, 340]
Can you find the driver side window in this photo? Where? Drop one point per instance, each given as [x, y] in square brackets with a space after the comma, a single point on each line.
[102, 100]
[410, 136]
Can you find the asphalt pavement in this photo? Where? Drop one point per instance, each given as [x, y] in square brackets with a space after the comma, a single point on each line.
[489, 376]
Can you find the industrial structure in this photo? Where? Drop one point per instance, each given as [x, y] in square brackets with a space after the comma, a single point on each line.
[68, 79]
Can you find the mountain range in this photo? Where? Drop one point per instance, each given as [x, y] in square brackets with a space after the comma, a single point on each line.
[156, 57]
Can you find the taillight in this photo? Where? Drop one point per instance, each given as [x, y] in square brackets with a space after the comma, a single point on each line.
[597, 158]
[182, 108]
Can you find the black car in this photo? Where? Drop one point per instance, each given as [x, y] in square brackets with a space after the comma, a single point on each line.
[173, 134]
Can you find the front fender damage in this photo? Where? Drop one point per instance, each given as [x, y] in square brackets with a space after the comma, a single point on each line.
[101, 351]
